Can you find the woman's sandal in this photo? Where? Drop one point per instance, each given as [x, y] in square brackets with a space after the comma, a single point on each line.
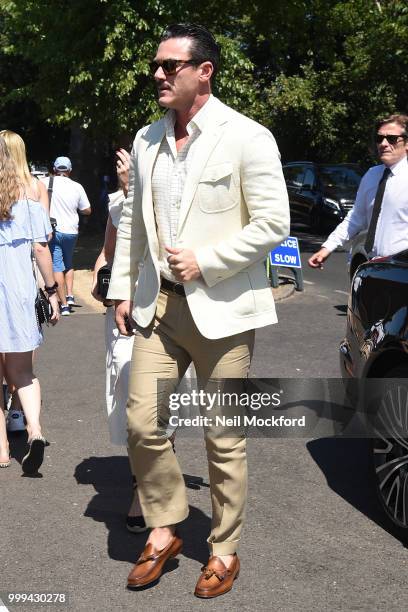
[35, 456]
[5, 464]
[136, 524]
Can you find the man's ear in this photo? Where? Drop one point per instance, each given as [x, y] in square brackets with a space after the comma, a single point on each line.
[206, 71]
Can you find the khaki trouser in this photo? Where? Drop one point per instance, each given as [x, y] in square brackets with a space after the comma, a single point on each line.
[162, 352]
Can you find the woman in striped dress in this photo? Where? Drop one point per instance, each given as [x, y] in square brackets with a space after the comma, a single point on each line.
[23, 223]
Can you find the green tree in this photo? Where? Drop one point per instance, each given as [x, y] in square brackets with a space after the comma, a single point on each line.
[338, 67]
[317, 73]
[91, 59]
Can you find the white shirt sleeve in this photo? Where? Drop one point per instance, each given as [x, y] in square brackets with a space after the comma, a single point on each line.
[116, 201]
[83, 199]
[353, 223]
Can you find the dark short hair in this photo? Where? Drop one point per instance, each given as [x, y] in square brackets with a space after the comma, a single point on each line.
[204, 47]
[402, 120]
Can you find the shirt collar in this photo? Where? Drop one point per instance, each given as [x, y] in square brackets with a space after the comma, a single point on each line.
[169, 121]
[197, 122]
[400, 166]
[200, 118]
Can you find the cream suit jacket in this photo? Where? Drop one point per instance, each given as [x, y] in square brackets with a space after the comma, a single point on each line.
[234, 210]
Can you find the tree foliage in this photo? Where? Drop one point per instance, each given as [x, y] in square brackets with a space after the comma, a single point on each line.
[92, 58]
[317, 73]
[349, 66]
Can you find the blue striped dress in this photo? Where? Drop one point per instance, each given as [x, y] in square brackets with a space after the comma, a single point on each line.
[19, 331]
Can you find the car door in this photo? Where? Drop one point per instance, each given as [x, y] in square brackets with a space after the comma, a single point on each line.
[294, 179]
[306, 195]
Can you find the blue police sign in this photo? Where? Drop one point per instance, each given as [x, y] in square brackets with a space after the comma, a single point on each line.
[287, 254]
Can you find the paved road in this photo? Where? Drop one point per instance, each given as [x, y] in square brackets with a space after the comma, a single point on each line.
[313, 538]
[311, 323]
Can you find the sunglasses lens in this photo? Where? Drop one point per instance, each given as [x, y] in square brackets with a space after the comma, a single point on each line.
[169, 66]
[153, 66]
[391, 138]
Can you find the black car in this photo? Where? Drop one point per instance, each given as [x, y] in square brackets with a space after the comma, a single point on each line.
[374, 355]
[321, 195]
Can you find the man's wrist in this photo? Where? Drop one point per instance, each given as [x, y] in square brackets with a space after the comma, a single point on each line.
[329, 246]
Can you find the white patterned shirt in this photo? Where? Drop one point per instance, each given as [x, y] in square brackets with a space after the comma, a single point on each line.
[169, 176]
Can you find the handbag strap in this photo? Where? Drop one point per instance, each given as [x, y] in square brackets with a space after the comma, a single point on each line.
[50, 188]
[33, 262]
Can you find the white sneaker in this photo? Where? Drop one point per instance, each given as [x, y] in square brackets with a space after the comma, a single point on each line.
[65, 311]
[15, 420]
[70, 300]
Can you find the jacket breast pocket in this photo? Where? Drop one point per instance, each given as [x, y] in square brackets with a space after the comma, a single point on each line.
[217, 191]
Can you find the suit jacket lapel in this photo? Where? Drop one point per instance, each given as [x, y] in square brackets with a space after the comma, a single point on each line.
[154, 140]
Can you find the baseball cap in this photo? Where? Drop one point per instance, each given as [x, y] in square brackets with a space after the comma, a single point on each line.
[63, 163]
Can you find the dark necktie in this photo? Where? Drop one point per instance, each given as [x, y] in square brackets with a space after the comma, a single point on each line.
[369, 243]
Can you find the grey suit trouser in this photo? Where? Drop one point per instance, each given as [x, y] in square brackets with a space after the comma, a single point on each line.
[161, 354]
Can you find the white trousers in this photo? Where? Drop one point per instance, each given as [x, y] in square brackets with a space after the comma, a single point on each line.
[118, 356]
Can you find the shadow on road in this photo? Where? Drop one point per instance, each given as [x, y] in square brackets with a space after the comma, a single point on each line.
[345, 464]
[18, 444]
[342, 310]
[111, 478]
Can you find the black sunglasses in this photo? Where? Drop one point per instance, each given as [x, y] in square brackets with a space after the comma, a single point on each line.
[169, 66]
[391, 138]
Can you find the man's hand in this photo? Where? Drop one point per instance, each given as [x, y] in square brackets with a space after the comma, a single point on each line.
[123, 317]
[122, 169]
[183, 264]
[317, 259]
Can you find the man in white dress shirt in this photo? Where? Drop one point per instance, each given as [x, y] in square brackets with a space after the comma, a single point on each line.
[381, 205]
[207, 201]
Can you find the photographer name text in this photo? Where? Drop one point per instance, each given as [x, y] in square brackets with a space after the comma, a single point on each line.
[237, 421]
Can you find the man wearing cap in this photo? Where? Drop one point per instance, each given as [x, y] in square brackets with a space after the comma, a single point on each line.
[67, 199]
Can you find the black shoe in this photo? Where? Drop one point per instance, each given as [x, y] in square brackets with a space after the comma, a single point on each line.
[136, 524]
[35, 456]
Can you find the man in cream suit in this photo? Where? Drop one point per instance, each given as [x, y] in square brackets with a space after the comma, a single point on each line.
[207, 201]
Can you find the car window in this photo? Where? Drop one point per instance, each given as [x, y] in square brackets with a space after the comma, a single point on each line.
[340, 176]
[294, 176]
[308, 179]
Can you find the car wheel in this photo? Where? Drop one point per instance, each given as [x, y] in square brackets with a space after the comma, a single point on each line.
[389, 452]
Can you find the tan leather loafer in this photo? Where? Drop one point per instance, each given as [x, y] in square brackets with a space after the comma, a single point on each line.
[149, 566]
[216, 579]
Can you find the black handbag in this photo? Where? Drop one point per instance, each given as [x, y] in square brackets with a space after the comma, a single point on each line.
[42, 306]
[103, 280]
